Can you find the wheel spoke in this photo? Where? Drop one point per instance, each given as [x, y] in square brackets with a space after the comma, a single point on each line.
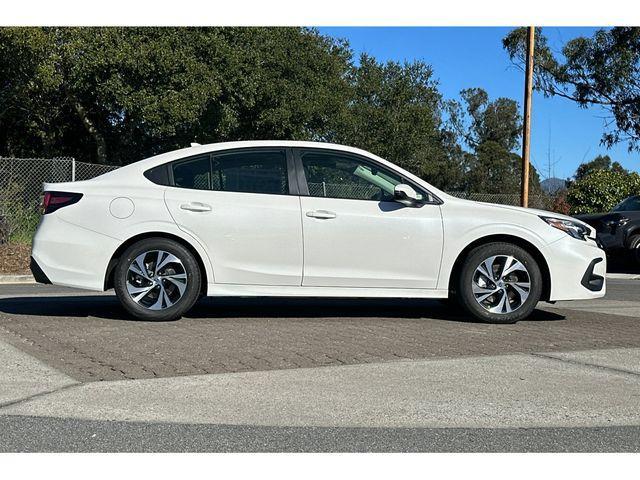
[524, 294]
[503, 305]
[486, 268]
[482, 293]
[138, 293]
[515, 266]
[179, 280]
[138, 267]
[167, 260]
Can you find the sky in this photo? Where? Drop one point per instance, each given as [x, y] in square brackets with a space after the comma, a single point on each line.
[465, 57]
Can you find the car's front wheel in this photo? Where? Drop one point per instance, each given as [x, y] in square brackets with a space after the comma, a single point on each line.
[157, 279]
[499, 283]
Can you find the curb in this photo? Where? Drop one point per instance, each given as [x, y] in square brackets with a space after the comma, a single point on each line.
[8, 279]
[623, 276]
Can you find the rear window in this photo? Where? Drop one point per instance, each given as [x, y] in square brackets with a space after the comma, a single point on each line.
[194, 173]
[247, 171]
[251, 172]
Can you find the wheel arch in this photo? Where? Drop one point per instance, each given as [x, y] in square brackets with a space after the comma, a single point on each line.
[519, 241]
[111, 266]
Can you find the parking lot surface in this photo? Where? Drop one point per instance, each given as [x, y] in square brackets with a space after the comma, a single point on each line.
[90, 337]
[77, 374]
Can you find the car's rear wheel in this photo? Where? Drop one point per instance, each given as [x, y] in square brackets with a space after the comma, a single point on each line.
[499, 283]
[157, 279]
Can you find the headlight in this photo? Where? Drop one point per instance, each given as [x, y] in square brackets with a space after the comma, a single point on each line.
[574, 229]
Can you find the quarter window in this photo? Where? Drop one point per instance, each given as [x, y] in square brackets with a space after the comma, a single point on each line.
[337, 176]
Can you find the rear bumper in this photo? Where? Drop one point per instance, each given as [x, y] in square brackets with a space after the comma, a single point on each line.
[577, 270]
[69, 255]
[38, 273]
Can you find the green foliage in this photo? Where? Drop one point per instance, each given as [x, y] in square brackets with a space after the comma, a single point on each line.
[115, 95]
[18, 220]
[492, 129]
[601, 190]
[601, 162]
[395, 111]
[603, 70]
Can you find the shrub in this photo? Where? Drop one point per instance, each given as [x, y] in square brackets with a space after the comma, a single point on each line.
[559, 203]
[601, 190]
[18, 217]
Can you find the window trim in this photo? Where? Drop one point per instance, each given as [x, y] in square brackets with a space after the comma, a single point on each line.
[304, 188]
[292, 180]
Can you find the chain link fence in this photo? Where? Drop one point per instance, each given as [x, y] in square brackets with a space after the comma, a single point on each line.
[21, 182]
[542, 202]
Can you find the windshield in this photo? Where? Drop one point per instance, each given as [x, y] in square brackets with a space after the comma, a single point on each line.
[628, 204]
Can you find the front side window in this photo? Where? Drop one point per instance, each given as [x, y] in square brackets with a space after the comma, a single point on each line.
[340, 176]
[251, 172]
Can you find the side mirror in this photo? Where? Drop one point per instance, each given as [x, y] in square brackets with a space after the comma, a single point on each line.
[406, 195]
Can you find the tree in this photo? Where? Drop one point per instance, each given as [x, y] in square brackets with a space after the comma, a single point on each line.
[120, 94]
[492, 130]
[395, 111]
[601, 162]
[601, 190]
[602, 70]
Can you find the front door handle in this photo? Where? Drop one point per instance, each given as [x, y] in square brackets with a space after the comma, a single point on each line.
[196, 207]
[323, 214]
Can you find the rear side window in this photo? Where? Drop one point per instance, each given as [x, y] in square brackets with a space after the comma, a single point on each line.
[250, 172]
[193, 173]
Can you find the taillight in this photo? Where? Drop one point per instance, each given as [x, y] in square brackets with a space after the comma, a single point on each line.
[52, 201]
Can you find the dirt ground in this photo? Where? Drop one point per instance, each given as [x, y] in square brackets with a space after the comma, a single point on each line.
[14, 259]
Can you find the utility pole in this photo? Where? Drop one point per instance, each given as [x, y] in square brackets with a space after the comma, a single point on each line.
[526, 133]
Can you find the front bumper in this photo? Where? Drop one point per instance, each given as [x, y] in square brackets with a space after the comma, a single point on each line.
[577, 270]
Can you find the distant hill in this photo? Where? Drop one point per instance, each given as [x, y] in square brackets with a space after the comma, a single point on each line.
[552, 185]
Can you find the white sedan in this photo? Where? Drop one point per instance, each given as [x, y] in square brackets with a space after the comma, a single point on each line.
[280, 218]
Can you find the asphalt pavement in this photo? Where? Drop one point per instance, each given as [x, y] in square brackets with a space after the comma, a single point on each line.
[76, 374]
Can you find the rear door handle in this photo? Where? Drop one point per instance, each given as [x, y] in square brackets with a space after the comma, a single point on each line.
[323, 214]
[196, 207]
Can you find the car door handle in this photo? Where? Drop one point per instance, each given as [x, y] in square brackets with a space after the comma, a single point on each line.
[196, 207]
[324, 214]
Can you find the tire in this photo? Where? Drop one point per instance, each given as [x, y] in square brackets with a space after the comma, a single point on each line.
[473, 285]
[178, 277]
[634, 248]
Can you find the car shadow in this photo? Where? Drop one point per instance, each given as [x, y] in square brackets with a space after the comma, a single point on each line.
[107, 307]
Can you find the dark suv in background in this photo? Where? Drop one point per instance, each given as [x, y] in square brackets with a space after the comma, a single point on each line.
[619, 230]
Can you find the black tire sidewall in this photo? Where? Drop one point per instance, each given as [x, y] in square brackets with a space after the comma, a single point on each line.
[634, 247]
[190, 264]
[479, 254]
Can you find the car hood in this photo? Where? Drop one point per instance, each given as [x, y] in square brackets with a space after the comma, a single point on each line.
[533, 211]
[592, 216]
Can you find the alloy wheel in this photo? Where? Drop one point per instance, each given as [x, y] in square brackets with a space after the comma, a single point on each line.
[156, 280]
[501, 284]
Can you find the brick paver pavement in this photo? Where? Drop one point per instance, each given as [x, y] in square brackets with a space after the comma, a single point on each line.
[90, 338]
